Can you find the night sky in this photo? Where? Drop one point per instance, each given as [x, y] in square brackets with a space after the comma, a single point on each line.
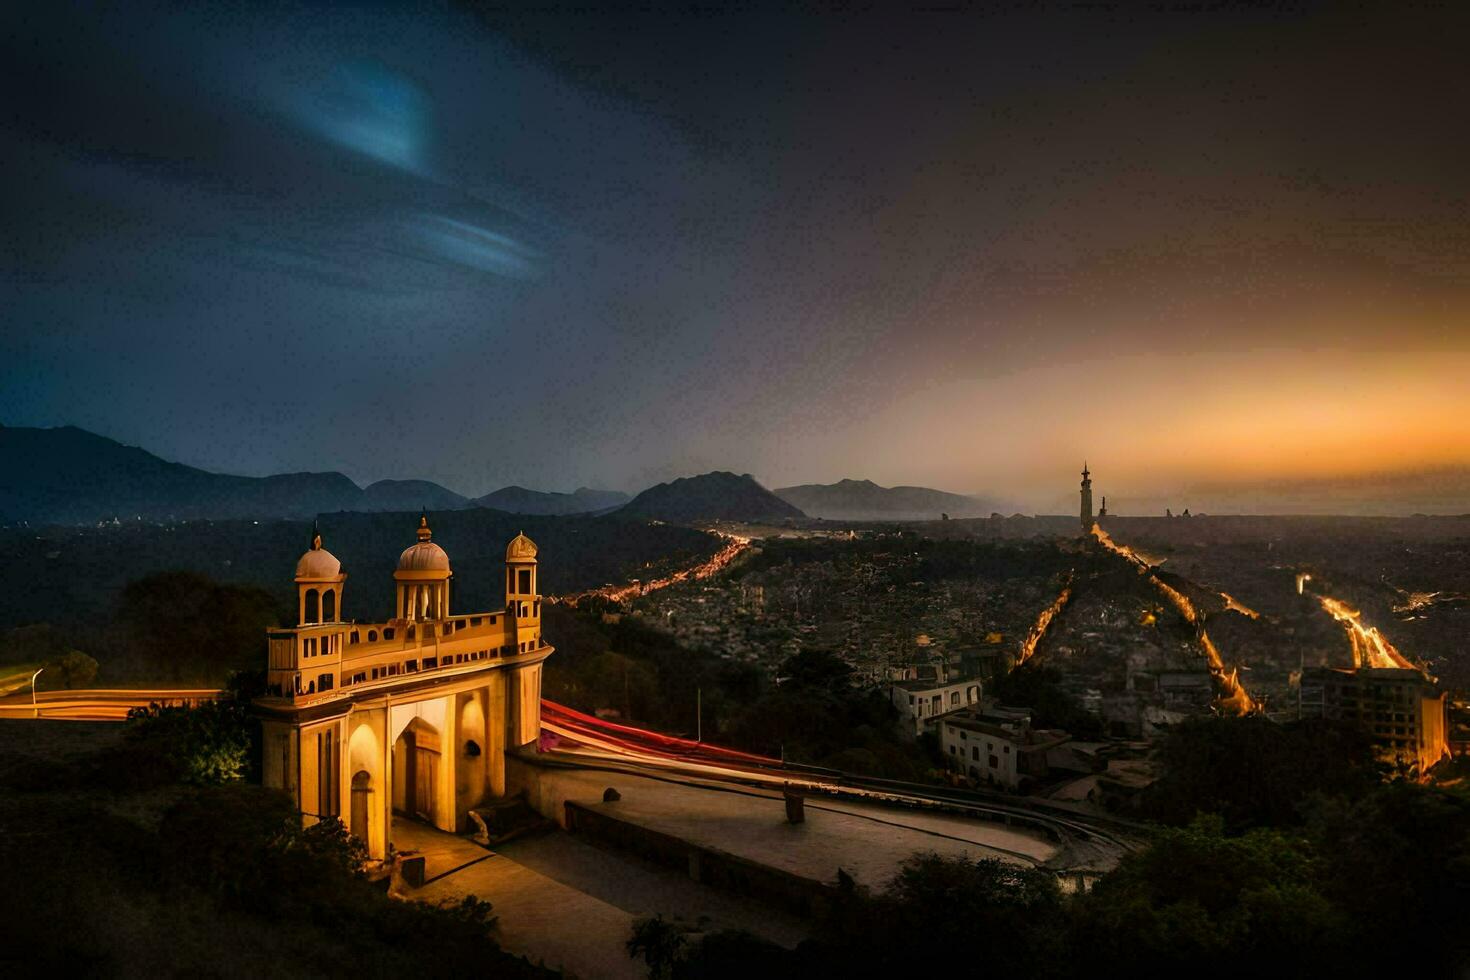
[942, 248]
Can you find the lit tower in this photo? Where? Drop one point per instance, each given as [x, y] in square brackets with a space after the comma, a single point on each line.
[1087, 521]
[521, 599]
[523, 630]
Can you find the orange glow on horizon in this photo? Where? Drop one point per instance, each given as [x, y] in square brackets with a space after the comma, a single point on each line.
[1166, 421]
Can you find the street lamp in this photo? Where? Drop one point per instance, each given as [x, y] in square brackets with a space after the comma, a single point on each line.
[35, 710]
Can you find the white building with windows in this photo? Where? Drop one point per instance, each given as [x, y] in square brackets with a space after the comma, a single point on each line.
[919, 702]
[996, 745]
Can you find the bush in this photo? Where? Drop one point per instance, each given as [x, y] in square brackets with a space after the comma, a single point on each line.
[209, 744]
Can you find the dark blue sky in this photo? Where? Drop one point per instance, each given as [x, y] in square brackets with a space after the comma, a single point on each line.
[486, 248]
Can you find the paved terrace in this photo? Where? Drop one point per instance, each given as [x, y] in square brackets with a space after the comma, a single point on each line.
[571, 904]
[868, 841]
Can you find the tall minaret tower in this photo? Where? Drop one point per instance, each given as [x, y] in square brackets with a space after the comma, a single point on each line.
[1087, 521]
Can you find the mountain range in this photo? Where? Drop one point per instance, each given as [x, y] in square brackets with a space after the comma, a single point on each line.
[70, 476]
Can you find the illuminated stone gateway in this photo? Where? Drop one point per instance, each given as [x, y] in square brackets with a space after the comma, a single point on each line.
[410, 716]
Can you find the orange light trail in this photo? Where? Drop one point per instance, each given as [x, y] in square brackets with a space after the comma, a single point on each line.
[1232, 603]
[1230, 694]
[720, 560]
[1370, 647]
[1038, 629]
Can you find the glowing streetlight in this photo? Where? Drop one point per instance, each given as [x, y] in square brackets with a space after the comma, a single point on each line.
[36, 711]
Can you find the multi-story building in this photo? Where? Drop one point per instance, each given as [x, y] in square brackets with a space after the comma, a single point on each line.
[1398, 707]
[991, 743]
[413, 715]
[920, 701]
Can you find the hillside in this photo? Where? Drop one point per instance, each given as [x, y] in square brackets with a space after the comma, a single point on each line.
[583, 500]
[864, 500]
[717, 496]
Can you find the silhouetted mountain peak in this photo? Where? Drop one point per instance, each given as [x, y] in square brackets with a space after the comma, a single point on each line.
[716, 496]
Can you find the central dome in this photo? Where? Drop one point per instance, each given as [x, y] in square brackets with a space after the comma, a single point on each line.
[426, 556]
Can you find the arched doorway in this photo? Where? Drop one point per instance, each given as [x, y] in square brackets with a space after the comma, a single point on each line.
[362, 805]
[416, 770]
[367, 810]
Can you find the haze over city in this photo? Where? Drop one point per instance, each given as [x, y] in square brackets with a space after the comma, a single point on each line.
[957, 250]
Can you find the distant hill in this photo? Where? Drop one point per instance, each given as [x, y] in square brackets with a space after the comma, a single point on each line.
[519, 500]
[864, 500]
[70, 476]
[409, 495]
[717, 496]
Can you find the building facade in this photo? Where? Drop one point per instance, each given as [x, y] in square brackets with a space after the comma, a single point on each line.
[996, 745]
[411, 716]
[1399, 708]
[920, 701]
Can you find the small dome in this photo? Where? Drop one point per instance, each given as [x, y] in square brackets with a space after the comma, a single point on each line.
[318, 564]
[521, 548]
[426, 556]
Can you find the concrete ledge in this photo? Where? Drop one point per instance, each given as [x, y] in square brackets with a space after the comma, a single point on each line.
[706, 865]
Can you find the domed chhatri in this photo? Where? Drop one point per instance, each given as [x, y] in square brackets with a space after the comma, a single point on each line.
[426, 556]
[319, 583]
[317, 564]
[521, 548]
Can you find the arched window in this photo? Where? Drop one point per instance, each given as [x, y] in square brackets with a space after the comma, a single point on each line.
[329, 606]
[388, 633]
[311, 606]
[372, 636]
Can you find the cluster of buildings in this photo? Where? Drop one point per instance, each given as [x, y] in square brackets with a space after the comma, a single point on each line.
[872, 605]
[984, 742]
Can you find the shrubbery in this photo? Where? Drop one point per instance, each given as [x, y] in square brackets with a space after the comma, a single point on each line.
[208, 744]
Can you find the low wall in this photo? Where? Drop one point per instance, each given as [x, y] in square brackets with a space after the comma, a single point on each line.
[718, 869]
